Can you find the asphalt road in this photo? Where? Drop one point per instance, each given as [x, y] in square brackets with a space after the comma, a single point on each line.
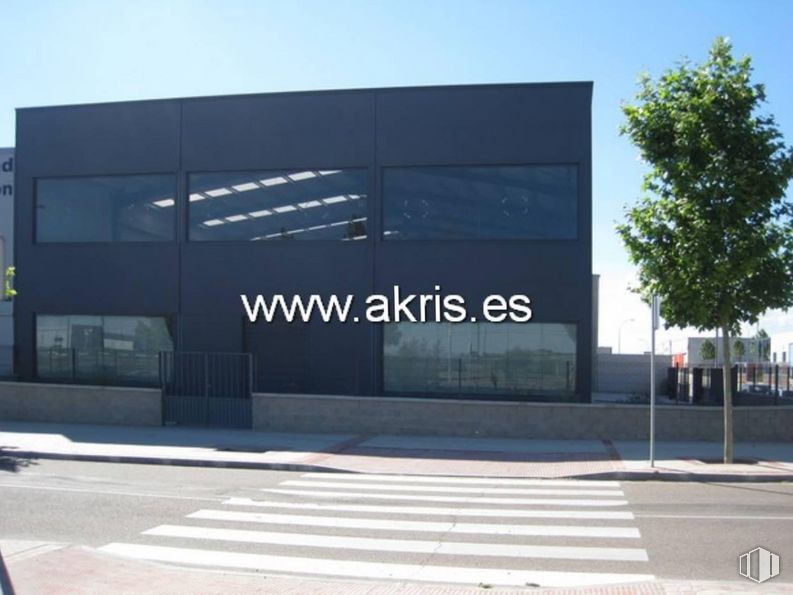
[691, 531]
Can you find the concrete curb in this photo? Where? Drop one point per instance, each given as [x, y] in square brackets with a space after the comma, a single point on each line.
[309, 468]
[682, 476]
[169, 461]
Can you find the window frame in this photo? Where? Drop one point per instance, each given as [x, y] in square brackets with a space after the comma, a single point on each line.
[174, 239]
[370, 204]
[171, 322]
[559, 397]
[382, 202]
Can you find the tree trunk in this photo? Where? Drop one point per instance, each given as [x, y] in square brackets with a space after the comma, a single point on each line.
[727, 383]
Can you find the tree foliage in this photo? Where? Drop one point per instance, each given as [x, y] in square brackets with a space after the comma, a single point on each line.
[8, 283]
[707, 350]
[712, 235]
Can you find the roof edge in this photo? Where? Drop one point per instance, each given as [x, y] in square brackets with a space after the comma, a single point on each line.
[351, 90]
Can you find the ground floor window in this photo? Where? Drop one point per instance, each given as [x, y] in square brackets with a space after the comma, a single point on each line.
[101, 348]
[480, 358]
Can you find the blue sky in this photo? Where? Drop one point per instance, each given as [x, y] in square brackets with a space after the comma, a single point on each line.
[75, 52]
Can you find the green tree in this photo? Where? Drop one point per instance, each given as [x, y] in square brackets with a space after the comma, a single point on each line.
[707, 350]
[712, 234]
[738, 349]
[763, 346]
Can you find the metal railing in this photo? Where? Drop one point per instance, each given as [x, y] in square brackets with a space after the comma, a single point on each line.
[101, 366]
[193, 373]
[201, 388]
[542, 374]
[753, 384]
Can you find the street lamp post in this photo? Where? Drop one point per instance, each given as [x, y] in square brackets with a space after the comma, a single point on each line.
[619, 334]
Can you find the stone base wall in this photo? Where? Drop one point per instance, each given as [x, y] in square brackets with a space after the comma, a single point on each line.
[22, 401]
[551, 421]
[69, 403]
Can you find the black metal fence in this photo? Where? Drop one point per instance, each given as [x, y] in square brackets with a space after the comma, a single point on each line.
[207, 388]
[100, 366]
[753, 384]
[488, 376]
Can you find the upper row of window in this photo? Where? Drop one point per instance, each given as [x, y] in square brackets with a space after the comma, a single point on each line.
[439, 202]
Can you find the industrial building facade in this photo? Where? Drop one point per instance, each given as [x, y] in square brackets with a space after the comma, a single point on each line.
[140, 224]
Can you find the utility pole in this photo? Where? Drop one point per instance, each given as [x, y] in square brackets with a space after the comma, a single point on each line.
[655, 306]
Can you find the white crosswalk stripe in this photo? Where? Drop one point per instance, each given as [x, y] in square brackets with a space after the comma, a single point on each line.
[451, 499]
[438, 510]
[370, 570]
[428, 526]
[402, 545]
[456, 530]
[487, 481]
[456, 489]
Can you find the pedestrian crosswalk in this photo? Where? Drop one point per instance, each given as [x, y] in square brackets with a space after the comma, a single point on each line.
[455, 530]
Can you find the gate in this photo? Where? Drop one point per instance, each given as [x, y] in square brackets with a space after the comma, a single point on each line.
[208, 389]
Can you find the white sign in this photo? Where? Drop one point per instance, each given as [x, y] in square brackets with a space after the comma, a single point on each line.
[656, 306]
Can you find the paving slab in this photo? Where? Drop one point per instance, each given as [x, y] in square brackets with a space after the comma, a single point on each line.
[177, 445]
[491, 457]
[85, 571]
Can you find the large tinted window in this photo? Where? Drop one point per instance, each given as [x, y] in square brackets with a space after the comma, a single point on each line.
[101, 348]
[279, 205]
[136, 208]
[488, 359]
[505, 202]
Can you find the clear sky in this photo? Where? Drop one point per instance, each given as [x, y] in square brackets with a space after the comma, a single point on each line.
[57, 52]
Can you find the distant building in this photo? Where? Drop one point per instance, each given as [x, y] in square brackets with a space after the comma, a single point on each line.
[6, 259]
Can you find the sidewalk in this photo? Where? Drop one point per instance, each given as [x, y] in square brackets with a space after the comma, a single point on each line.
[492, 457]
[84, 571]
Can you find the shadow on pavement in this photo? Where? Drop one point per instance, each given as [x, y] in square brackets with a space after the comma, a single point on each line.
[476, 455]
[12, 463]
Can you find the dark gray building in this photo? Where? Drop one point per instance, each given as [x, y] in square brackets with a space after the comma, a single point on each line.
[139, 224]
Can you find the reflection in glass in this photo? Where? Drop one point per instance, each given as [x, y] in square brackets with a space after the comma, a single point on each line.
[480, 358]
[504, 202]
[278, 205]
[139, 208]
[101, 348]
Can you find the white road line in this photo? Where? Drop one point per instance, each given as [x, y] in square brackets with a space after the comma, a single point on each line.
[458, 499]
[299, 483]
[437, 510]
[494, 481]
[369, 570]
[434, 527]
[94, 492]
[407, 546]
[715, 517]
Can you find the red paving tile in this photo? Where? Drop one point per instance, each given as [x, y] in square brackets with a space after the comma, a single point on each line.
[82, 571]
